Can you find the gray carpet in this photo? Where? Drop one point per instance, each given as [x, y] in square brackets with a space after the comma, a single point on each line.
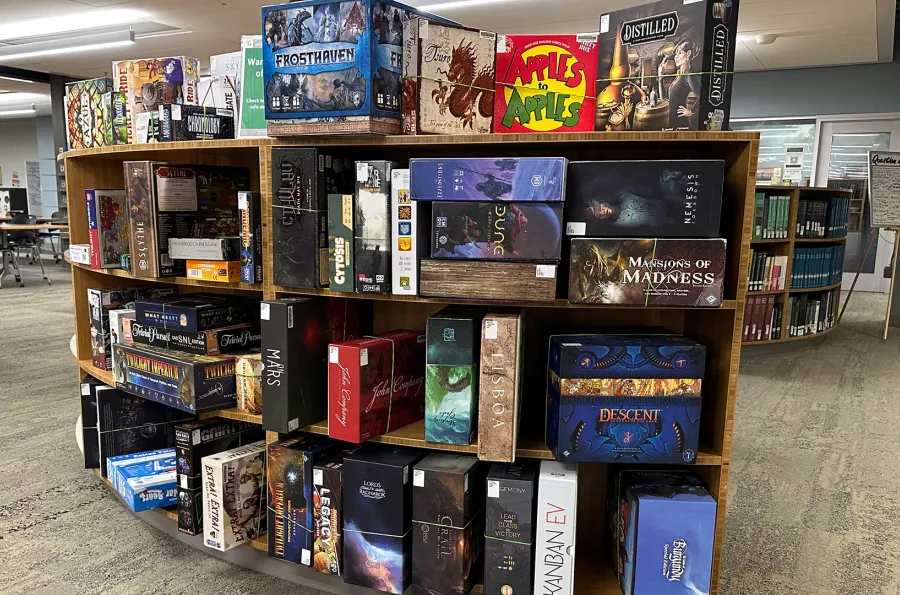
[812, 496]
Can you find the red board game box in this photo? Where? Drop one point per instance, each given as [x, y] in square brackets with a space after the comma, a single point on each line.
[375, 385]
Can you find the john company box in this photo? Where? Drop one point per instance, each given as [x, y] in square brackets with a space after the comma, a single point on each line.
[195, 312]
[500, 384]
[520, 179]
[509, 521]
[372, 226]
[328, 513]
[670, 62]
[557, 508]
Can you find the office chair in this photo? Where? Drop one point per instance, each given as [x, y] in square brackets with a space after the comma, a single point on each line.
[50, 234]
[18, 240]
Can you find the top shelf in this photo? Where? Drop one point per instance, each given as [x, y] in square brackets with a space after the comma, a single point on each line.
[806, 189]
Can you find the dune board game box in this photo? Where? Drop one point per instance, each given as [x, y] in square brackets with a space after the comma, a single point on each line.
[195, 312]
[108, 227]
[251, 237]
[372, 224]
[100, 302]
[557, 509]
[520, 179]
[194, 122]
[86, 126]
[510, 518]
[328, 512]
[234, 496]
[500, 384]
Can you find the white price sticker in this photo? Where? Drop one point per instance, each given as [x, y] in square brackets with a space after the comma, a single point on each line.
[242, 202]
[264, 311]
[490, 330]
[176, 112]
[604, 23]
[576, 228]
[423, 28]
[304, 557]
[418, 478]
[85, 389]
[317, 477]
[545, 271]
[362, 171]
[363, 357]
[493, 489]
[293, 424]
[501, 44]
[182, 481]
[290, 317]
[333, 354]
[195, 437]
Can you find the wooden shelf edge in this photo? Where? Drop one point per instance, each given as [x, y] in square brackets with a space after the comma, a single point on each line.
[840, 240]
[775, 292]
[805, 189]
[770, 241]
[789, 339]
[258, 287]
[812, 289]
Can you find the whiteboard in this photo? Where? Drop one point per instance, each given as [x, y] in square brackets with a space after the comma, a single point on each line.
[884, 188]
[33, 185]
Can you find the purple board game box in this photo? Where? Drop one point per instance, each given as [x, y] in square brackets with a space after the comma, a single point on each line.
[522, 179]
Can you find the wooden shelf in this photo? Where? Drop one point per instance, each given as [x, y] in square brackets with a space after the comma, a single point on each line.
[812, 189]
[772, 292]
[770, 241]
[171, 280]
[790, 339]
[812, 289]
[820, 240]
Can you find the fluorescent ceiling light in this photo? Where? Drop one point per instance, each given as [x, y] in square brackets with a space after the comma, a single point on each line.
[457, 4]
[79, 21]
[70, 45]
[18, 112]
[161, 34]
[15, 78]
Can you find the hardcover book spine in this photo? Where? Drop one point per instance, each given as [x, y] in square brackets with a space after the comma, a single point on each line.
[142, 218]
[404, 269]
[344, 366]
[213, 509]
[340, 242]
[251, 238]
[501, 372]
[93, 228]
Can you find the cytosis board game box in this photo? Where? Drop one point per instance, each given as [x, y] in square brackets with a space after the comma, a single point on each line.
[375, 385]
[520, 179]
[195, 312]
[341, 262]
[328, 512]
[557, 509]
[108, 227]
[510, 522]
[226, 340]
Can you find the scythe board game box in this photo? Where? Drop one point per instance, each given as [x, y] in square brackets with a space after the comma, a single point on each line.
[448, 523]
[328, 512]
[195, 312]
[500, 384]
[554, 570]
[234, 496]
[226, 340]
[520, 179]
[675, 198]
[217, 199]
[647, 272]
[372, 224]
[340, 243]
[378, 517]
[251, 237]
[192, 383]
[510, 511]
[85, 109]
[299, 218]
[667, 65]
[194, 122]
[100, 302]
[545, 83]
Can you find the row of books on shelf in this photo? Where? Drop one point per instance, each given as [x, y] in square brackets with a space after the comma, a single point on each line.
[817, 267]
[823, 218]
[762, 319]
[811, 314]
[771, 216]
[767, 271]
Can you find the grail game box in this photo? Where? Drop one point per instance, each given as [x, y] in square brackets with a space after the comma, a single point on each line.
[328, 512]
[107, 213]
[647, 272]
[234, 496]
[510, 511]
[520, 179]
[86, 107]
[667, 65]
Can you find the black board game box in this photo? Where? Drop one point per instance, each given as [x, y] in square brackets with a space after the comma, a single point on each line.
[250, 237]
[100, 302]
[372, 225]
[299, 218]
[90, 438]
[510, 510]
[194, 122]
[227, 340]
[658, 198]
[328, 512]
[448, 523]
[195, 312]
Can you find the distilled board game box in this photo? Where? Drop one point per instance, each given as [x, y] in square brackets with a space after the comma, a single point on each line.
[452, 78]
[448, 523]
[378, 517]
[557, 508]
[204, 248]
[406, 233]
[328, 512]
[666, 66]
[500, 384]
[248, 371]
[674, 198]
[372, 224]
[647, 272]
[219, 271]
[497, 230]
[101, 302]
[195, 312]
[218, 188]
[340, 243]
[194, 122]
[192, 383]
[108, 227]
[452, 363]
[375, 385]
[85, 124]
[510, 511]
[545, 83]
[226, 340]
[510, 281]
[520, 179]
[296, 333]
[234, 496]
[251, 237]
[119, 329]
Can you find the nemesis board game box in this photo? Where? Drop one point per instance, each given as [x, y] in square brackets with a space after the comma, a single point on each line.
[204, 248]
[675, 198]
[220, 271]
[218, 188]
[378, 517]
[520, 179]
[194, 122]
[375, 385]
[500, 384]
[545, 83]
[647, 272]
[234, 496]
[509, 522]
[452, 362]
[108, 227]
[328, 512]
[218, 341]
[497, 230]
[667, 65]
[85, 108]
[372, 224]
[251, 237]
[554, 570]
[195, 312]
[340, 243]
[101, 302]
[448, 523]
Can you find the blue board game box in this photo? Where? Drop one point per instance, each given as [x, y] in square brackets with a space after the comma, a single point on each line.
[663, 355]
[519, 179]
[149, 484]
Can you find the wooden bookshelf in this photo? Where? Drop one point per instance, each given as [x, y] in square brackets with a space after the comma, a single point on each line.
[719, 329]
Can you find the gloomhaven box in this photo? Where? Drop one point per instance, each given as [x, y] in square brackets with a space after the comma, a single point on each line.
[647, 272]
[500, 384]
[108, 227]
[103, 300]
[340, 243]
[520, 179]
[86, 126]
[453, 338]
[510, 510]
[226, 340]
[378, 517]
[195, 312]
[194, 122]
[328, 513]
[375, 385]
[251, 237]
[666, 66]
[192, 383]
[220, 271]
[674, 198]
[448, 522]
[204, 248]
[234, 496]
[405, 232]
[218, 188]
[372, 224]
[557, 508]
[545, 83]
[497, 230]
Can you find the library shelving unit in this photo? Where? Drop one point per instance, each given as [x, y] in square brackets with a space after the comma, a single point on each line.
[717, 328]
[785, 247]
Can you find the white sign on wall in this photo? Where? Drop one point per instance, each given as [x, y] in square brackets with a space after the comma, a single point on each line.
[884, 188]
[33, 185]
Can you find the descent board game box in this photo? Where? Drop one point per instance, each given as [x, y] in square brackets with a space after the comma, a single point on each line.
[448, 523]
[340, 243]
[520, 179]
[248, 371]
[378, 517]
[372, 224]
[676, 198]
[500, 384]
[204, 248]
[100, 303]
[453, 338]
[406, 233]
[647, 272]
[220, 271]
[299, 217]
[192, 383]
[375, 385]
[108, 227]
[497, 230]
[557, 508]
[195, 312]
[218, 341]
[86, 126]
[652, 354]
[250, 237]
[218, 188]
[667, 65]
[545, 83]
[234, 496]
[509, 522]
[194, 122]
[328, 512]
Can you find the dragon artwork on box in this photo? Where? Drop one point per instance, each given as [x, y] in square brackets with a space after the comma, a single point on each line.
[468, 88]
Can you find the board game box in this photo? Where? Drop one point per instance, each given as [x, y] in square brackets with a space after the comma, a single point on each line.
[226, 340]
[108, 227]
[500, 384]
[90, 438]
[510, 518]
[194, 122]
[117, 118]
[407, 236]
[649, 353]
[328, 512]
[120, 329]
[220, 271]
[248, 371]
[86, 104]
[234, 496]
[557, 509]
[520, 179]
[299, 217]
[251, 237]
[149, 485]
[218, 188]
[204, 248]
[545, 83]
[100, 302]
[372, 224]
[116, 463]
[195, 312]
[340, 243]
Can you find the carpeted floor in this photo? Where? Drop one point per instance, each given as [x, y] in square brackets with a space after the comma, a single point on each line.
[812, 496]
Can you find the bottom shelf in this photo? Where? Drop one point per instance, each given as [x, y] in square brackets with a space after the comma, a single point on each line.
[789, 339]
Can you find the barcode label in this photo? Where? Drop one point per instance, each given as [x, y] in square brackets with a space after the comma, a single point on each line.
[194, 273]
[318, 478]
[545, 271]
[493, 489]
[490, 330]
[165, 260]
[418, 478]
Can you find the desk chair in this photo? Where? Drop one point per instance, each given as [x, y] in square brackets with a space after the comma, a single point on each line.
[18, 240]
[50, 234]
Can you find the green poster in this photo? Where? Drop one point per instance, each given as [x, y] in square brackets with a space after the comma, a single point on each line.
[253, 112]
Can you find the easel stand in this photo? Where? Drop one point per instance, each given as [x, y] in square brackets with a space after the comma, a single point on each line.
[887, 315]
[874, 236]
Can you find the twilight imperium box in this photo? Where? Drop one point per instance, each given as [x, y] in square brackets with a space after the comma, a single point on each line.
[520, 179]
[510, 511]
[647, 272]
[667, 65]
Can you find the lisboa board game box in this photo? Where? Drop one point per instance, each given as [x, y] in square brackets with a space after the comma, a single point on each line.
[520, 179]
[545, 83]
[510, 514]
[86, 105]
[500, 384]
[667, 65]
[234, 496]
[647, 272]
[107, 213]
[557, 512]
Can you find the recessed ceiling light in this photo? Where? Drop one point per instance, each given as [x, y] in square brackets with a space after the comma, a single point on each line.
[69, 45]
[457, 4]
[79, 21]
[18, 112]
[15, 78]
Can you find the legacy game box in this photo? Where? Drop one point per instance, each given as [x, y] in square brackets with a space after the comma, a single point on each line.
[372, 224]
[678, 198]
[219, 341]
[510, 511]
[194, 122]
[520, 179]
[328, 513]
[101, 302]
[250, 237]
[647, 272]
[85, 122]
[234, 496]
[107, 213]
[557, 509]
[500, 384]
[195, 312]
[340, 243]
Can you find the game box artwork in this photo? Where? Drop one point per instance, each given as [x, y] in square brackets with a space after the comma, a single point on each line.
[667, 65]
[195, 312]
[148, 483]
[340, 243]
[107, 213]
[100, 303]
[448, 83]
[194, 122]
[117, 118]
[86, 113]
[655, 353]
[520, 179]
[378, 517]
[510, 511]
[234, 496]
[545, 83]
[226, 340]
[250, 237]
[409, 236]
[218, 188]
[497, 230]
[674, 198]
[557, 513]
[647, 272]
[328, 513]
[372, 224]
[500, 384]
